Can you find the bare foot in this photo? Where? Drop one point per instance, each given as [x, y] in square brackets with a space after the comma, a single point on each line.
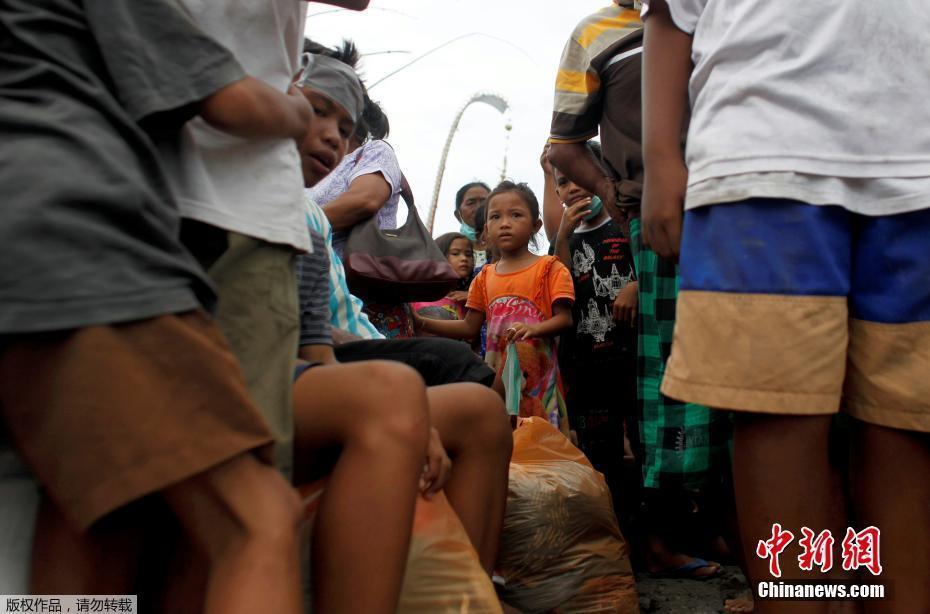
[743, 603]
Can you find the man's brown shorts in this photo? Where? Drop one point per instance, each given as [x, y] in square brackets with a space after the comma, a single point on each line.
[105, 415]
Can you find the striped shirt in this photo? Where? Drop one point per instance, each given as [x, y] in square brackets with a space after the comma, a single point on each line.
[345, 308]
[313, 290]
[597, 88]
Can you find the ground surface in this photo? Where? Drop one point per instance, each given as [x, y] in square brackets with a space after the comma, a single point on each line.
[667, 596]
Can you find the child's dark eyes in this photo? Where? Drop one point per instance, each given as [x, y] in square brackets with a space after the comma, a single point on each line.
[319, 112]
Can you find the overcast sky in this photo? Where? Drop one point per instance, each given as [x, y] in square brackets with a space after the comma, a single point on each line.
[516, 56]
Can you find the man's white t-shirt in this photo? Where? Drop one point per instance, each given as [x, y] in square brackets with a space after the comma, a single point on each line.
[252, 187]
[812, 100]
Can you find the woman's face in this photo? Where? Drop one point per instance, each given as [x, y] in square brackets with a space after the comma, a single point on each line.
[474, 196]
[461, 257]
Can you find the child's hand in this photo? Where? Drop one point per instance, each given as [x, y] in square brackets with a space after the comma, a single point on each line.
[459, 296]
[544, 160]
[437, 468]
[627, 303]
[521, 332]
[572, 216]
[663, 207]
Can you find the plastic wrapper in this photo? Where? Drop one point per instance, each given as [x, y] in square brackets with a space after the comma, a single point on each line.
[443, 574]
[561, 547]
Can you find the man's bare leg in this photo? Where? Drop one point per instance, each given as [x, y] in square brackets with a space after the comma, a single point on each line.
[244, 516]
[891, 488]
[782, 474]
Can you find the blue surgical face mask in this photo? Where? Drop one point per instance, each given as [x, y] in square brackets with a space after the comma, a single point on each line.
[468, 231]
[595, 208]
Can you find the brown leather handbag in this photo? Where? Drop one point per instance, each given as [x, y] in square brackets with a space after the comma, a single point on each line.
[399, 265]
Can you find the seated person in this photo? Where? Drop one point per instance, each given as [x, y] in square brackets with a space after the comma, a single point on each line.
[334, 413]
[437, 360]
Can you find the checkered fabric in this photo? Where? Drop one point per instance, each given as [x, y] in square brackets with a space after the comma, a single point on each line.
[684, 445]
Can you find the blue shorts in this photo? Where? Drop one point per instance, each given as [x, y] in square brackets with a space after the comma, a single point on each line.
[789, 308]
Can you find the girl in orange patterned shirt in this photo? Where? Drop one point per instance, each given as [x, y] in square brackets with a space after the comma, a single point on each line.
[527, 300]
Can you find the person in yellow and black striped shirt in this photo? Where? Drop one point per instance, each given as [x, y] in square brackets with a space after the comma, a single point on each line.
[598, 90]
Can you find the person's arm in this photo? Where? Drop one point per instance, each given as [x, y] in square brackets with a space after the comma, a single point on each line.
[576, 162]
[666, 71]
[561, 319]
[552, 204]
[571, 217]
[318, 353]
[457, 329]
[252, 109]
[365, 196]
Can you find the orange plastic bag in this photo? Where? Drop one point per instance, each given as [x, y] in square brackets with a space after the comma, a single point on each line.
[561, 548]
[443, 573]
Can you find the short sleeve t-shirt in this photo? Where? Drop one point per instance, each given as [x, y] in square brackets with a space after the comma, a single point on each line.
[249, 186]
[598, 89]
[534, 288]
[602, 265]
[372, 157]
[814, 89]
[89, 227]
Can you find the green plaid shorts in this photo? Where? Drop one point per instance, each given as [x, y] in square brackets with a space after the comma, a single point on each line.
[683, 445]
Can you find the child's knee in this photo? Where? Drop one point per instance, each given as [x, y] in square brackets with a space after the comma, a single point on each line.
[483, 413]
[396, 408]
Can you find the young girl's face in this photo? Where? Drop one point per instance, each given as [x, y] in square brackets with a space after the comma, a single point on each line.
[569, 191]
[462, 257]
[510, 224]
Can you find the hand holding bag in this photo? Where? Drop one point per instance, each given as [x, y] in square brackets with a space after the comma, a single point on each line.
[398, 265]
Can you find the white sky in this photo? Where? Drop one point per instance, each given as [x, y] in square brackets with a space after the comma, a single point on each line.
[422, 100]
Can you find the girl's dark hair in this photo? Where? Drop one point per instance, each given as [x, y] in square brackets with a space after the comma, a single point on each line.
[481, 218]
[520, 189]
[460, 195]
[373, 123]
[444, 242]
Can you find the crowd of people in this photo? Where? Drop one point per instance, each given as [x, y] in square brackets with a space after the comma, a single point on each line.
[732, 322]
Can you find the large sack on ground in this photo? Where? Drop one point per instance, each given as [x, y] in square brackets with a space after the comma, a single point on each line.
[443, 575]
[561, 548]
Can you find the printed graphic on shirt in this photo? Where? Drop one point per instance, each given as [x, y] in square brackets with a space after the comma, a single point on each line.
[612, 285]
[582, 260]
[538, 368]
[595, 323]
[601, 267]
